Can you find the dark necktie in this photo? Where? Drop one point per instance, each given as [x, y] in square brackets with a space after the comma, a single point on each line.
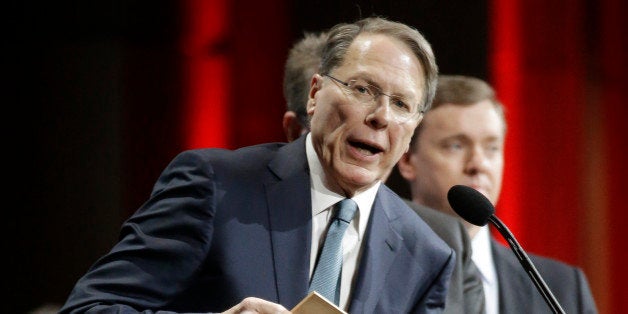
[326, 278]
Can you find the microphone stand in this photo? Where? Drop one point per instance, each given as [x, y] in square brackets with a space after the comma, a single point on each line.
[527, 265]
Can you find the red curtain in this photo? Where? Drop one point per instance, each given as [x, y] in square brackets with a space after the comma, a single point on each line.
[234, 53]
[206, 74]
[559, 67]
[610, 94]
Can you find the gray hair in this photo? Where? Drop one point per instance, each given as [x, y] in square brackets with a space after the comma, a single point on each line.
[303, 61]
[342, 35]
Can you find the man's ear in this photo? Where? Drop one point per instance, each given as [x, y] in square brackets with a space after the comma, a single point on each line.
[291, 126]
[405, 167]
[315, 85]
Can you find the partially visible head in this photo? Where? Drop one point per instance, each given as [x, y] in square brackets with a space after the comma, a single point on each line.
[357, 141]
[459, 141]
[303, 62]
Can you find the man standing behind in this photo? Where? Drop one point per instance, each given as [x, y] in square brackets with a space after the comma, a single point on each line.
[460, 141]
[465, 293]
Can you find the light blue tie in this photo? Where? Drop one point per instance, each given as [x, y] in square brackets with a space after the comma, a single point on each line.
[326, 278]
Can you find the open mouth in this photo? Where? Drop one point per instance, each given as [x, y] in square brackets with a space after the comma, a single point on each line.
[366, 149]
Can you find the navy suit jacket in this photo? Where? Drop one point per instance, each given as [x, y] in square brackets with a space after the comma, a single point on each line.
[223, 225]
[517, 293]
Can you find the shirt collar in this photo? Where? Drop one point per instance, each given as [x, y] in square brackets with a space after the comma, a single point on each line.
[323, 198]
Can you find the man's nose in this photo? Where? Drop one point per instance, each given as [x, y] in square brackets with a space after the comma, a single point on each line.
[477, 161]
[381, 113]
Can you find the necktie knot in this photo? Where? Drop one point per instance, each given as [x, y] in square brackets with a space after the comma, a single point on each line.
[345, 210]
[327, 274]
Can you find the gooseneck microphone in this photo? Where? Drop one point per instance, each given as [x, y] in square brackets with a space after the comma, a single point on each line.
[475, 208]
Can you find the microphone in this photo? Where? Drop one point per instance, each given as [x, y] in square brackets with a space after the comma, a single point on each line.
[475, 208]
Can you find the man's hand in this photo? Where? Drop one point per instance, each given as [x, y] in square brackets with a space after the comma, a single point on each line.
[252, 305]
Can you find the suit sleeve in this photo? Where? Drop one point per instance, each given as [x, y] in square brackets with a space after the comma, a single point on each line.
[160, 247]
[587, 303]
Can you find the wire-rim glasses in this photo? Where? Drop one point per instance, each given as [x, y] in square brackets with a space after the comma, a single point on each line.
[367, 94]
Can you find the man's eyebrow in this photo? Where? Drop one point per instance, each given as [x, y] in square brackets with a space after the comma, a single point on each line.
[493, 139]
[457, 136]
[464, 137]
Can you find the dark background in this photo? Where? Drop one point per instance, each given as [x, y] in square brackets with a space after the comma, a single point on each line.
[92, 117]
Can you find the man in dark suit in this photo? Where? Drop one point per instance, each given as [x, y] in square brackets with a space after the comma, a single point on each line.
[460, 141]
[240, 231]
[465, 294]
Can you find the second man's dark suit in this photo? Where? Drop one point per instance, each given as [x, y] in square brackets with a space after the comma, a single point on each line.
[465, 294]
[519, 295]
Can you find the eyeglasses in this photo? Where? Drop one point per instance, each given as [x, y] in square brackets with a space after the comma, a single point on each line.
[365, 93]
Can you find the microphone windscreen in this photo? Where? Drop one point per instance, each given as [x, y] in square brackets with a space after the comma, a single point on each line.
[470, 204]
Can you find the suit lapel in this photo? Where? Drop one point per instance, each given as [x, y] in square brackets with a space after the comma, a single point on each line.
[380, 250]
[289, 203]
[514, 292]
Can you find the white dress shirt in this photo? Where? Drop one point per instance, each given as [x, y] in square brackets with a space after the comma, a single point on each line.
[323, 201]
[483, 259]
